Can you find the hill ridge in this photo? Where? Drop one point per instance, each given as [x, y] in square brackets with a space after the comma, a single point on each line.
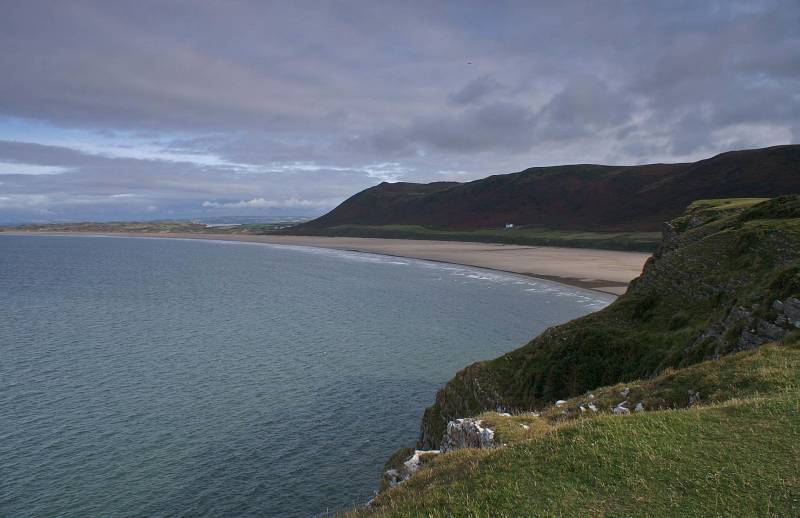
[571, 197]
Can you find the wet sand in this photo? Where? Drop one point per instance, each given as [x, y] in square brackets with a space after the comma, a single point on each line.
[608, 271]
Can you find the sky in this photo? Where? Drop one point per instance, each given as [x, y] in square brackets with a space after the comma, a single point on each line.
[119, 110]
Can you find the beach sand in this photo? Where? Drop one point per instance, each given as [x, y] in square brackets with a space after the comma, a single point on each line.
[602, 270]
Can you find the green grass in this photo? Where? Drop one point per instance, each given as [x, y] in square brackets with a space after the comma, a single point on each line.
[738, 458]
[724, 204]
[641, 241]
[742, 257]
[734, 455]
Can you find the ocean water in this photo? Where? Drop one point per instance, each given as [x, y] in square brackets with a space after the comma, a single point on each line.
[160, 377]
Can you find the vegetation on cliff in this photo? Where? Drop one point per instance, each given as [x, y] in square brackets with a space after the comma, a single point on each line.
[681, 398]
[731, 451]
[722, 281]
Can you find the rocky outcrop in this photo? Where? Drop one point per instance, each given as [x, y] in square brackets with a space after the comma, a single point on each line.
[394, 476]
[746, 328]
[470, 392]
[466, 433]
[461, 433]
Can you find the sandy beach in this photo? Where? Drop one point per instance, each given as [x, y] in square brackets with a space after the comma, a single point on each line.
[602, 270]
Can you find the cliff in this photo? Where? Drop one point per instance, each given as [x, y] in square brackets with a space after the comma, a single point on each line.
[685, 387]
[725, 279]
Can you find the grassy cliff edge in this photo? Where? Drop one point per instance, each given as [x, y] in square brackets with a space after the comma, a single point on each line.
[704, 343]
[708, 290]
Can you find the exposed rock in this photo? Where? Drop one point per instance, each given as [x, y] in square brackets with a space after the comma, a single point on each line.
[392, 477]
[466, 433]
[791, 308]
[770, 330]
[470, 392]
[560, 403]
[639, 407]
[620, 409]
[741, 329]
[526, 427]
[694, 397]
[592, 407]
[625, 392]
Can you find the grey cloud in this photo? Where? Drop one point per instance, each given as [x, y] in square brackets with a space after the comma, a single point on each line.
[499, 125]
[306, 100]
[98, 185]
[585, 106]
[475, 90]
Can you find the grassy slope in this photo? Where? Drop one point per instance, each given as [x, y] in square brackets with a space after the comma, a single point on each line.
[736, 456]
[640, 241]
[722, 256]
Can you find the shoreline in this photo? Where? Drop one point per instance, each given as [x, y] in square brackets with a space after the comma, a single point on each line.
[604, 271]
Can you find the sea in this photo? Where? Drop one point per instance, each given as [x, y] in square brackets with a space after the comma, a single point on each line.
[178, 377]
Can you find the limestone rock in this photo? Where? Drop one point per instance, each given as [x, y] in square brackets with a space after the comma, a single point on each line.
[621, 409]
[392, 477]
[466, 433]
[770, 330]
[791, 308]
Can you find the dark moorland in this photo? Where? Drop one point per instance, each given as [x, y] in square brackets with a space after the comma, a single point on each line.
[570, 197]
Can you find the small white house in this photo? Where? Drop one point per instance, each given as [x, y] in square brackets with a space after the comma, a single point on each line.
[509, 225]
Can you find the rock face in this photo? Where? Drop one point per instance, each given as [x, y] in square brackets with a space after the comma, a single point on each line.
[392, 477]
[466, 433]
[744, 328]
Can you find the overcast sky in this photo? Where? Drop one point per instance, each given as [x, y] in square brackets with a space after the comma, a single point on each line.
[156, 109]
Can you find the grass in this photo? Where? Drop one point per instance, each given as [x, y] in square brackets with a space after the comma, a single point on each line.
[530, 236]
[734, 455]
[743, 257]
[724, 204]
[738, 458]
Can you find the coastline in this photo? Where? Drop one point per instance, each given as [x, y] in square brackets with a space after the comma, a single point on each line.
[605, 271]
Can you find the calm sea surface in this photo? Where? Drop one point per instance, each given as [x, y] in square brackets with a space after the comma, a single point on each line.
[158, 377]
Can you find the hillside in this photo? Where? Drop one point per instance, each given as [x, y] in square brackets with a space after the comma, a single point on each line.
[571, 197]
[733, 454]
[709, 290]
[702, 352]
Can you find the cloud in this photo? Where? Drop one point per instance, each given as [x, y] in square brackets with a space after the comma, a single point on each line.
[177, 104]
[125, 188]
[261, 203]
[475, 90]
